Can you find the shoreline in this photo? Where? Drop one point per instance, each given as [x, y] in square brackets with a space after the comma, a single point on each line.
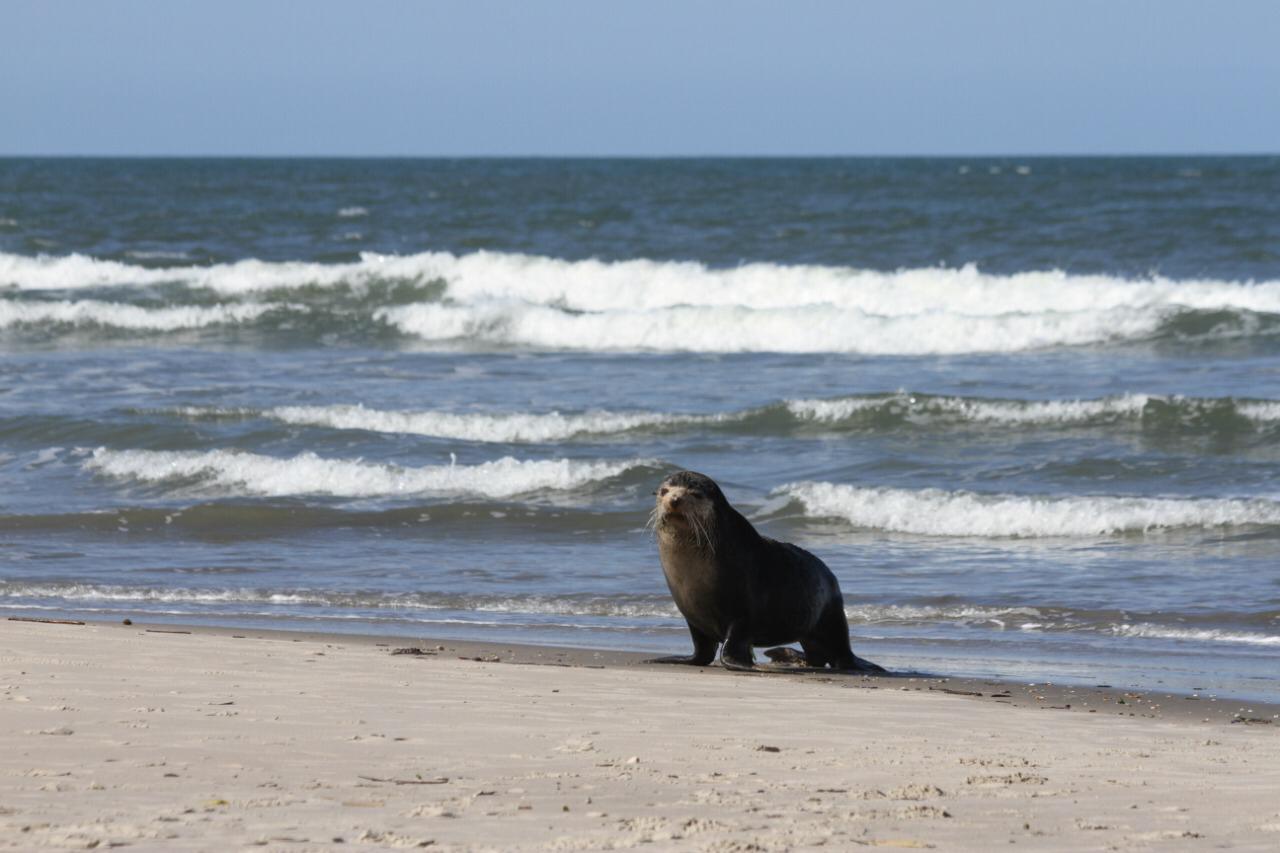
[1106, 699]
[176, 738]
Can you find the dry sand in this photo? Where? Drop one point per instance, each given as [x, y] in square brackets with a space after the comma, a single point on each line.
[115, 735]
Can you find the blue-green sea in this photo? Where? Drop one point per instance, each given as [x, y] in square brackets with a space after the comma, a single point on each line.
[1027, 409]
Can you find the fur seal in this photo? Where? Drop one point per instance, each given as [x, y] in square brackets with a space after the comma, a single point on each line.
[739, 588]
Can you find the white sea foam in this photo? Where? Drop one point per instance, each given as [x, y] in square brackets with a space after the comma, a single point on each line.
[1013, 412]
[514, 427]
[88, 592]
[1020, 412]
[836, 409]
[1201, 635]
[505, 427]
[603, 606]
[643, 285]
[1263, 411]
[542, 427]
[888, 614]
[806, 329]
[71, 272]
[522, 300]
[353, 212]
[934, 512]
[309, 474]
[92, 312]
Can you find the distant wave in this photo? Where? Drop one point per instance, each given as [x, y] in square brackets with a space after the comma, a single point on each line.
[869, 412]
[934, 512]
[510, 300]
[515, 427]
[1237, 419]
[1149, 412]
[308, 474]
[970, 409]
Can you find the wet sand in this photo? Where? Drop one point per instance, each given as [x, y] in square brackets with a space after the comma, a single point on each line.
[181, 738]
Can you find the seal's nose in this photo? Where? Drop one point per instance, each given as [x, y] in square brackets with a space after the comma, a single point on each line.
[673, 501]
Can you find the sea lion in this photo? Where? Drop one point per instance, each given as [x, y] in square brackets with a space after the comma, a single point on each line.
[739, 588]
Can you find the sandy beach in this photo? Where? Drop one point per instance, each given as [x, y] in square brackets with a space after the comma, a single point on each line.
[209, 739]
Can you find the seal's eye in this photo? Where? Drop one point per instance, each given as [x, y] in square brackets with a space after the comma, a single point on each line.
[661, 492]
[694, 493]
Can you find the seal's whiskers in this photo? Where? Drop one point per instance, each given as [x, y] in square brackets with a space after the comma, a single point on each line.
[654, 517]
[702, 534]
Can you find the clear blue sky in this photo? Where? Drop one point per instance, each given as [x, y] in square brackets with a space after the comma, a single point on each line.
[594, 77]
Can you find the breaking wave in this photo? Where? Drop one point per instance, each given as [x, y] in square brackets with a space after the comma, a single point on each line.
[934, 512]
[492, 299]
[515, 427]
[971, 410]
[869, 412]
[92, 312]
[729, 329]
[309, 474]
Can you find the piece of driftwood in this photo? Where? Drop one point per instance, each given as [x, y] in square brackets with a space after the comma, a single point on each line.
[48, 621]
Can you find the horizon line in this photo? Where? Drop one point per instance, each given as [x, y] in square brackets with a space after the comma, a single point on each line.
[619, 156]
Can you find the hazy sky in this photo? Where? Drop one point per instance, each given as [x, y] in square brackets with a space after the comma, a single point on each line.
[594, 77]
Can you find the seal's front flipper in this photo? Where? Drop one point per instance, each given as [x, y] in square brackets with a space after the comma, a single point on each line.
[704, 651]
[737, 653]
[691, 660]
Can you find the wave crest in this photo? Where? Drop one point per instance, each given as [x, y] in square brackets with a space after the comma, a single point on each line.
[857, 412]
[511, 300]
[517, 427]
[309, 474]
[934, 512]
[97, 313]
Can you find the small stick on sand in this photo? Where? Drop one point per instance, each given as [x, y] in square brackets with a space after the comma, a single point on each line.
[439, 780]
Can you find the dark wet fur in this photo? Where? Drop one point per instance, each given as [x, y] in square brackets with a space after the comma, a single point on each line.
[762, 593]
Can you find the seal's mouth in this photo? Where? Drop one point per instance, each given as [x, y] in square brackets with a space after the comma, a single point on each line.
[678, 508]
[674, 510]
[684, 513]
[673, 515]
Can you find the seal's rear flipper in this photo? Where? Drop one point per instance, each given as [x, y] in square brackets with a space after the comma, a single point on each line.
[864, 666]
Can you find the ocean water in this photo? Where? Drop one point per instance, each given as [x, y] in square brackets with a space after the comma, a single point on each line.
[1028, 410]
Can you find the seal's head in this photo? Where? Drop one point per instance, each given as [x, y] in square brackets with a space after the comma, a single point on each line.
[685, 507]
